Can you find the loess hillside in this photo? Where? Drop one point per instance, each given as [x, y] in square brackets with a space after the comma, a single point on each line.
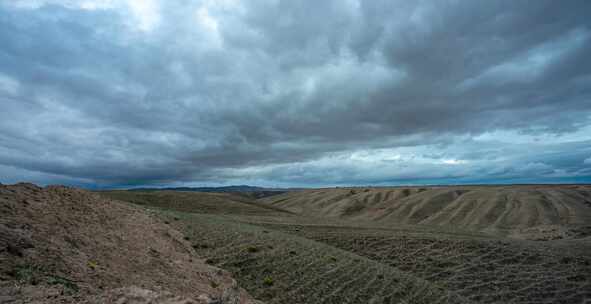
[64, 245]
[520, 211]
[355, 245]
[200, 202]
[323, 252]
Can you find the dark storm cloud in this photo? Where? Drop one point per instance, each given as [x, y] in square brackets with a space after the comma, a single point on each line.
[292, 92]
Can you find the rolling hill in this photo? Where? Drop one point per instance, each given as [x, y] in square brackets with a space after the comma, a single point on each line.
[190, 201]
[65, 245]
[354, 245]
[527, 211]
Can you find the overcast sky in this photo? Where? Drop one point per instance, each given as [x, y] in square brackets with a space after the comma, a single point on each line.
[123, 93]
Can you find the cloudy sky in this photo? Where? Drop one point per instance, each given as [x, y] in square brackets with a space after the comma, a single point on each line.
[123, 93]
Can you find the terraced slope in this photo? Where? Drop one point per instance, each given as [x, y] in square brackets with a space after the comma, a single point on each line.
[285, 258]
[480, 270]
[534, 211]
[200, 202]
[281, 268]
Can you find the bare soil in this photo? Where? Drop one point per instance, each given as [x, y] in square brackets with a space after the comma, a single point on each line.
[527, 212]
[510, 244]
[63, 245]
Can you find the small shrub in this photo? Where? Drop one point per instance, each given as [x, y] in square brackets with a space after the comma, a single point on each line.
[200, 246]
[69, 286]
[268, 281]
[252, 249]
[27, 274]
[31, 274]
[92, 265]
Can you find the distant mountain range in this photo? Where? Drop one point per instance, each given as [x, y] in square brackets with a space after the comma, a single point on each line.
[233, 188]
[243, 190]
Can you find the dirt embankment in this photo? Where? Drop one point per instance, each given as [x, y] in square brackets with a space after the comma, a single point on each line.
[63, 245]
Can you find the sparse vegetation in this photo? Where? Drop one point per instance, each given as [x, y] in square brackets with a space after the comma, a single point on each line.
[480, 270]
[195, 202]
[92, 264]
[70, 287]
[252, 249]
[28, 274]
[268, 281]
[35, 275]
[284, 257]
[72, 246]
[299, 270]
[312, 260]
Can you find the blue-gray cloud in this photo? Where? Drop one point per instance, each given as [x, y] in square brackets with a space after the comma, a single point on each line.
[126, 92]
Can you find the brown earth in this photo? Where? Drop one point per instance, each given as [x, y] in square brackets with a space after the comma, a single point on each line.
[530, 212]
[304, 257]
[63, 245]
[189, 201]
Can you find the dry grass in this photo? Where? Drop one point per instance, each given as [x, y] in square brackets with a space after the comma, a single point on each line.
[289, 269]
[480, 270]
[517, 211]
[285, 258]
[200, 202]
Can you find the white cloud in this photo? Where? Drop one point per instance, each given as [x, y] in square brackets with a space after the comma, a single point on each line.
[146, 13]
[8, 85]
[210, 26]
[216, 90]
[453, 161]
[73, 4]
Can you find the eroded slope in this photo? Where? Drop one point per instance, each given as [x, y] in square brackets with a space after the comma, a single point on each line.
[544, 212]
[62, 245]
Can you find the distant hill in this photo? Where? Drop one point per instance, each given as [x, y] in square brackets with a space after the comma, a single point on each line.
[243, 190]
[541, 211]
[233, 188]
[197, 202]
